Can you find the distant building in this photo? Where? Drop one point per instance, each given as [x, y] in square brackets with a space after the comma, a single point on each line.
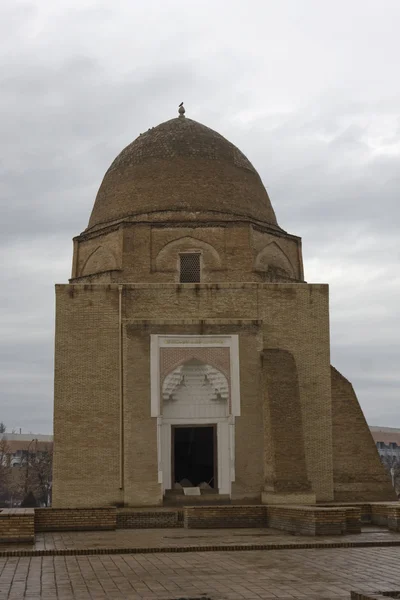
[18, 445]
[387, 440]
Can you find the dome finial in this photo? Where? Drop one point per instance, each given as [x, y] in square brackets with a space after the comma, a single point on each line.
[181, 110]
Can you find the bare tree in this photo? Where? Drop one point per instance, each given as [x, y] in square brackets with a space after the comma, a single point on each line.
[4, 468]
[42, 468]
[37, 467]
[33, 474]
[11, 481]
[15, 486]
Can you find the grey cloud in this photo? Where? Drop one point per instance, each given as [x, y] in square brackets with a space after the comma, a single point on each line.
[68, 144]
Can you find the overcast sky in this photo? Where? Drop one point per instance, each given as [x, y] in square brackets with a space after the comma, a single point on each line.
[309, 90]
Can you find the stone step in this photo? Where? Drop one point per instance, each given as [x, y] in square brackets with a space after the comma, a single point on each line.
[180, 492]
[202, 500]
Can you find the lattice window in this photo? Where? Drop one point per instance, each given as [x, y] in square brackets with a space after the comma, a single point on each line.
[190, 267]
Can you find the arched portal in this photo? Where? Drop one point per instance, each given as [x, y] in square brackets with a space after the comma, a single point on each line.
[196, 446]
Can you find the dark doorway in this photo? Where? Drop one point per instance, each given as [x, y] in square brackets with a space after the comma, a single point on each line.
[194, 455]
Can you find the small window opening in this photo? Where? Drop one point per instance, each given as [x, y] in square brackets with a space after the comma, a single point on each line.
[190, 267]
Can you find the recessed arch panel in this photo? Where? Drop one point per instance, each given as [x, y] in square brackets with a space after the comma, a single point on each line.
[102, 259]
[166, 259]
[272, 256]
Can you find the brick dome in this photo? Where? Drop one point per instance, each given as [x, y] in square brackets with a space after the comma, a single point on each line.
[178, 167]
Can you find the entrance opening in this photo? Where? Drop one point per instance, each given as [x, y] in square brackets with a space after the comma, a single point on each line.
[194, 455]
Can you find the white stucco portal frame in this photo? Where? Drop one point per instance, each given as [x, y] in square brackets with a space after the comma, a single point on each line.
[225, 425]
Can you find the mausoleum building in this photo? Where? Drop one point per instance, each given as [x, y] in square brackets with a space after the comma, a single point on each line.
[190, 353]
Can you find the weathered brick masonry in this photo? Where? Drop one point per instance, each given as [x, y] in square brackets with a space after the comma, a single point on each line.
[305, 520]
[357, 469]
[84, 368]
[17, 525]
[218, 517]
[393, 518]
[149, 520]
[75, 519]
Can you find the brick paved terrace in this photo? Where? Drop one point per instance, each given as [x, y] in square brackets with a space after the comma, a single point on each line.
[285, 574]
[167, 564]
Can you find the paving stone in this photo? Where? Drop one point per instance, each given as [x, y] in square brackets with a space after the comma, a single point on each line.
[314, 574]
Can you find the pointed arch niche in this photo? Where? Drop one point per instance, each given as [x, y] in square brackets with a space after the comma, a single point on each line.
[195, 382]
[101, 259]
[272, 256]
[195, 389]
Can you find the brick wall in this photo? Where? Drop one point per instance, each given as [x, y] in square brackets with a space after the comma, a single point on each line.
[283, 474]
[300, 520]
[379, 514]
[393, 518]
[304, 520]
[17, 525]
[149, 520]
[364, 508]
[75, 519]
[365, 512]
[296, 318]
[353, 519]
[87, 382]
[358, 473]
[86, 391]
[208, 517]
